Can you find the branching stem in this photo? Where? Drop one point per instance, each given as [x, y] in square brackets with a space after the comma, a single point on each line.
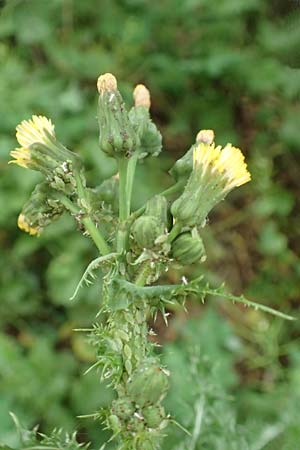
[94, 232]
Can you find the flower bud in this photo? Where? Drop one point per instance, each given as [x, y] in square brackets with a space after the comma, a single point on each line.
[117, 135]
[157, 207]
[148, 384]
[123, 408]
[145, 231]
[188, 248]
[150, 140]
[40, 210]
[153, 415]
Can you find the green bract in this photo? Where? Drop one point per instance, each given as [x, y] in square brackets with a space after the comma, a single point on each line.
[150, 140]
[188, 248]
[146, 229]
[117, 135]
[148, 384]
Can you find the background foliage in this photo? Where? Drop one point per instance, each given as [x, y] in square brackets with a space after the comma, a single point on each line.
[232, 66]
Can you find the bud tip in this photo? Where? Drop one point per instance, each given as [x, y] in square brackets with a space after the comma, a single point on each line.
[206, 136]
[106, 82]
[141, 96]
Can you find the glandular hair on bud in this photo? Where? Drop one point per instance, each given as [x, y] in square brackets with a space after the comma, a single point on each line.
[106, 82]
[206, 136]
[141, 96]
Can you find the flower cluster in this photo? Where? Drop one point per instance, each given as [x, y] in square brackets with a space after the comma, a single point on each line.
[136, 247]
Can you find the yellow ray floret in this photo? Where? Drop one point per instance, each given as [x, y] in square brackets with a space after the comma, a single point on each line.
[229, 162]
[22, 157]
[34, 131]
[25, 226]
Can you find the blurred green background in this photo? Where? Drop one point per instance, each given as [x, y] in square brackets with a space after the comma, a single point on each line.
[230, 65]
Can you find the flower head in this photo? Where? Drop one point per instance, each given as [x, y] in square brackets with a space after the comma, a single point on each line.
[216, 171]
[40, 150]
[228, 164]
[34, 131]
[37, 131]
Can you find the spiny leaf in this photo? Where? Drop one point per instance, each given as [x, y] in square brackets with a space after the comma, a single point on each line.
[220, 292]
[95, 264]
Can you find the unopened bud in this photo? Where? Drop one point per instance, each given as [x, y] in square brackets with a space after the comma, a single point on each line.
[145, 230]
[148, 384]
[141, 96]
[117, 135]
[106, 82]
[24, 225]
[188, 248]
[205, 136]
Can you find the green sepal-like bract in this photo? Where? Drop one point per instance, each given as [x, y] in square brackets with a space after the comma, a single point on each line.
[41, 209]
[117, 135]
[183, 167]
[150, 140]
[148, 384]
[148, 227]
[123, 408]
[153, 415]
[107, 192]
[157, 207]
[146, 230]
[188, 248]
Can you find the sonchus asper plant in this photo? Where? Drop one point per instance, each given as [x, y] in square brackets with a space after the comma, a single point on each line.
[135, 247]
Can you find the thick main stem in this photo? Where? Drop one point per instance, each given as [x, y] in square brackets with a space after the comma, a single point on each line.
[136, 416]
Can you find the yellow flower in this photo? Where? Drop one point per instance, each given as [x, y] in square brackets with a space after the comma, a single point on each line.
[38, 130]
[22, 157]
[227, 162]
[25, 226]
[34, 131]
[216, 171]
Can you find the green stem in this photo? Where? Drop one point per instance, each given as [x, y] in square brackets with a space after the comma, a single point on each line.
[173, 189]
[68, 204]
[87, 221]
[123, 163]
[96, 236]
[142, 276]
[129, 182]
[123, 202]
[169, 191]
[174, 232]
